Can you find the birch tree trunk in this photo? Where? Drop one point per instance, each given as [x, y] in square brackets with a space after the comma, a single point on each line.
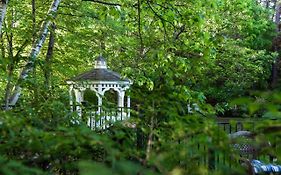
[28, 67]
[3, 10]
[275, 65]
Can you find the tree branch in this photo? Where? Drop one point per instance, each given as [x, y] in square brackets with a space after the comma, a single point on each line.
[104, 3]
[157, 15]
[21, 49]
[78, 16]
[139, 29]
[29, 66]
[49, 56]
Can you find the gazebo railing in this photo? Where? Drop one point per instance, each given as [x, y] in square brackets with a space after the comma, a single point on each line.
[100, 117]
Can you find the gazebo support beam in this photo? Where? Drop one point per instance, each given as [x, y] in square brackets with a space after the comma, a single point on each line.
[128, 106]
[99, 95]
[78, 98]
[99, 104]
[71, 98]
[121, 96]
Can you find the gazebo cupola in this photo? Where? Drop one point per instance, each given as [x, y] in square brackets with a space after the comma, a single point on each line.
[98, 80]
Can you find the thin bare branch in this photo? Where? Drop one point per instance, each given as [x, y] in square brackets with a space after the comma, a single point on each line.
[104, 3]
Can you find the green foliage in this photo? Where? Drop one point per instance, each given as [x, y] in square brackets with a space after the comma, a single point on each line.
[179, 54]
[54, 149]
[264, 107]
[261, 104]
[120, 168]
[14, 168]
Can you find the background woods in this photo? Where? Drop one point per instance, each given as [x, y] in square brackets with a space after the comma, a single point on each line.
[188, 62]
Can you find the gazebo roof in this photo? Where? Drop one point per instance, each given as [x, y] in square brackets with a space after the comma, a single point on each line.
[99, 73]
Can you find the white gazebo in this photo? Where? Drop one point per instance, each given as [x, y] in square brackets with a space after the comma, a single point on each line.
[99, 80]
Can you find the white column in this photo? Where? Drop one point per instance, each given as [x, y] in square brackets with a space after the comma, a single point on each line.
[78, 98]
[82, 95]
[128, 101]
[99, 95]
[99, 103]
[121, 114]
[128, 106]
[121, 96]
[71, 98]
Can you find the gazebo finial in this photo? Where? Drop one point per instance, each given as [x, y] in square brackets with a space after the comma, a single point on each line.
[100, 62]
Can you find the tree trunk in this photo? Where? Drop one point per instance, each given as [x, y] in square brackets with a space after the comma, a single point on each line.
[49, 57]
[10, 68]
[141, 47]
[275, 67]
[8, 86]
[34, 52]
[33, 21]
[2, 46]
[3, 10]
[277, 16]
[33, 14]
